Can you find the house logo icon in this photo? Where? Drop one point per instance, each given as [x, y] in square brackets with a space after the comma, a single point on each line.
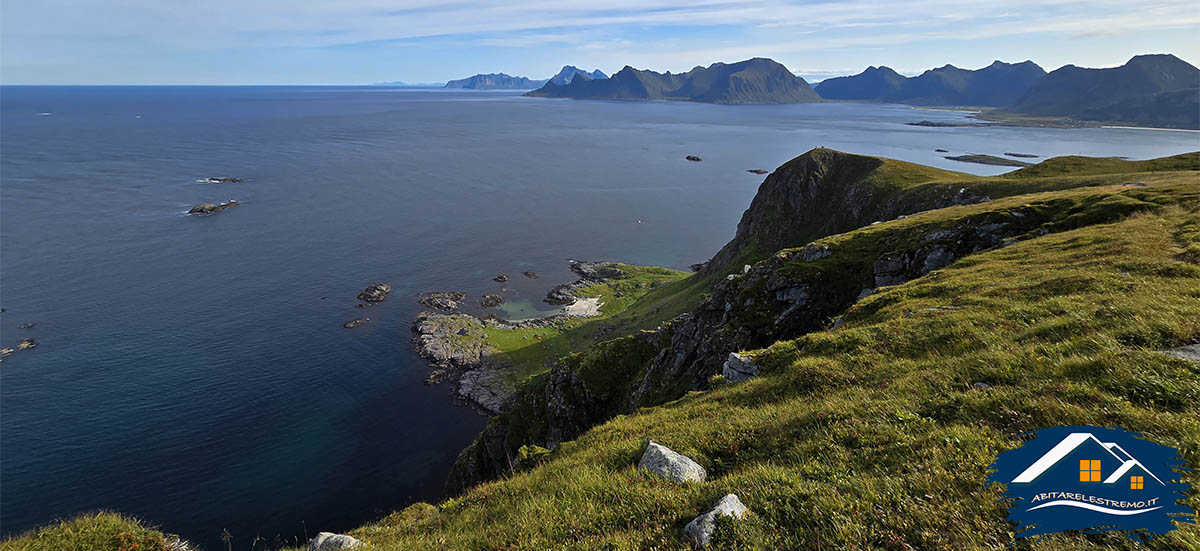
[1092, 479]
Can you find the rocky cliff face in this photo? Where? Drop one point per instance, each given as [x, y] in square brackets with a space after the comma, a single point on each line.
[824, 192]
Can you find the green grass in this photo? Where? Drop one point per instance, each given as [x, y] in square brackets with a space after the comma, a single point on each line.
[650, 295]
[101, 531]
[870, 436]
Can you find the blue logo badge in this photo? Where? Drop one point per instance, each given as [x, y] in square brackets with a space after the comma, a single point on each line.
[1092, 479]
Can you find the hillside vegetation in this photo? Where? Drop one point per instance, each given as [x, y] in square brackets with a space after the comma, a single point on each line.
[872, 434]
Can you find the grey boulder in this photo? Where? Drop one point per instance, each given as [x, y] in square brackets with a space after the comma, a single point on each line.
[677, 468]
[738, 368]
[700, 529]
[328, 541]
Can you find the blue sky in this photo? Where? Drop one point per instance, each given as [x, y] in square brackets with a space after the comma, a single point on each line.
[365, 41]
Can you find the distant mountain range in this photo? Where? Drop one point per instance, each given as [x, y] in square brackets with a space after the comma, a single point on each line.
[997, 85]
[495, 81]
[569, 72]
[1152, 90]
[502, 81]
[1149, 90]
[400, 84]
[757, 80]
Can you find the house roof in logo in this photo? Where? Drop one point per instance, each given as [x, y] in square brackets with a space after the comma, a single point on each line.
[1068, 445]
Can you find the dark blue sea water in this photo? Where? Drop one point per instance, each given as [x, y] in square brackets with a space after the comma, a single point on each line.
[194, 371]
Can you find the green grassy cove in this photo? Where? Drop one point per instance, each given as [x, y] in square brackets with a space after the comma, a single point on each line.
[642, 298]
[1056, 286]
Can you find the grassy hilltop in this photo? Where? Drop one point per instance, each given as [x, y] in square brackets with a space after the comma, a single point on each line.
[1056, 286]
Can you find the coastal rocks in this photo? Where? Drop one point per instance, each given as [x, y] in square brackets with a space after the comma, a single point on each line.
[700, 530]
[211, 208]
[491, 300]
[502, 278]
[222, 180]
[448, 302]
[438, 339]
[757, 171]
[27, 344]
[738, 368]
[5, 352]
[375, 292]
[1022, 155]
[561, 294]
[355, 323]
[941, 150]
[677, 468]
[693, 158]
[530, 275]
[590, 273]
[28, 325]
[328, 541]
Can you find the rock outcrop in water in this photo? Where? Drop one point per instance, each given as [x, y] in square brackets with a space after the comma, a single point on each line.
[212, 208]
[375, 292]
[447, 302]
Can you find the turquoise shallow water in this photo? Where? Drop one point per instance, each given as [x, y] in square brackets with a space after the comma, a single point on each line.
[194, 370]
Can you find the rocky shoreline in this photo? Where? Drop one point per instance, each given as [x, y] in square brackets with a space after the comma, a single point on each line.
[456, 343]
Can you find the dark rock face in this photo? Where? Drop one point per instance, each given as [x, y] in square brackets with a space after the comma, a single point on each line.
[757, 80]
[211, 208]
[823, 192]
[491, 300]
[375, 292]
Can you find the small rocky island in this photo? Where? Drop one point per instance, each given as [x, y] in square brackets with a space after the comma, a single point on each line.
[375, 292]
[222, 180]
[987, 160]
[212, 208]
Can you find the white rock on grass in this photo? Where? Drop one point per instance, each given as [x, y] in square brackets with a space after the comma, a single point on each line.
[700, 529]
[328, 541]
[677, 468]
[738, 368]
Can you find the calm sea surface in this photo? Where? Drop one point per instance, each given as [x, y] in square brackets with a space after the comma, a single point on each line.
[194, 371]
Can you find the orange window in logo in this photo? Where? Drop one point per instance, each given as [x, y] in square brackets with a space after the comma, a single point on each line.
[1089, 470]
[1135, 483]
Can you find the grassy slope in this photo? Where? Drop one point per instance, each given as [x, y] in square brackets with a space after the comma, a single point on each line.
[868, 436]
[93, 532]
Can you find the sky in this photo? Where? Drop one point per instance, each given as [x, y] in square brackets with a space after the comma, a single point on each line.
[367, 41]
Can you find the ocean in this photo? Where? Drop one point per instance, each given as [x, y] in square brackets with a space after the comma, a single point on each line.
[193, 370]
